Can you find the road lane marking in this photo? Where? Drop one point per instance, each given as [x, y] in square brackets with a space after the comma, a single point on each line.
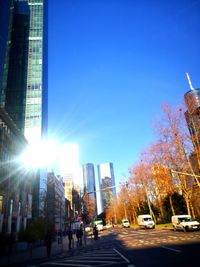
[172, 249]
[127, 260]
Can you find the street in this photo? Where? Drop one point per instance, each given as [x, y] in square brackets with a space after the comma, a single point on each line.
[133, 248]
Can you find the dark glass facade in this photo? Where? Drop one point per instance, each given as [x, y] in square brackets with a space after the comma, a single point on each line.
[15, 93]
[192, 100]
[23, 75]
[23, 65]
[6, 17]
[89, 182]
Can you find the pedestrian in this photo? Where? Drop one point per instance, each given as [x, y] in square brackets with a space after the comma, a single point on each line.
[78, 237]
[95, 232]
[81, 234]
[70, 236]
[48, 242]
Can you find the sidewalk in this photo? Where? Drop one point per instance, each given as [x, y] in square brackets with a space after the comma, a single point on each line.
[39, 252]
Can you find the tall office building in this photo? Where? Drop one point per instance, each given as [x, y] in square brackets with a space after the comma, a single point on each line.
[106, 180]
[89, 184]
[6, 17]
[192, 115]
[36, 87]
[23, 77]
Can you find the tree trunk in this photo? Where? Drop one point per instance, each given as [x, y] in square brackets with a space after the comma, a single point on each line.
[192, 210]
[171, 205]
[187, 201]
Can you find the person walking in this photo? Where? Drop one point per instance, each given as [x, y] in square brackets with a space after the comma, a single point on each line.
[48, 242]
[95, 232]
[78, 237]
[81, 234]
[70, 237]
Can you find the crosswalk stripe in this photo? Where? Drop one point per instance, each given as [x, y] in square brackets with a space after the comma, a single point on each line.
[123, 257]
[94, 257]
[70, 264]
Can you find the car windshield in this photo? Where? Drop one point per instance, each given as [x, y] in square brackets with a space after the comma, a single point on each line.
[147, 219]
[125, 221]
[185, 219]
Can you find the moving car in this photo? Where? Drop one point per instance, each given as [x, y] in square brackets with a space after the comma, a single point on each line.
[185, 223]
[125, 223]
[146, 221]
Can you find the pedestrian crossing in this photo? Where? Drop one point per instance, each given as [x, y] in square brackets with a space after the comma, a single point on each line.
[89, 258]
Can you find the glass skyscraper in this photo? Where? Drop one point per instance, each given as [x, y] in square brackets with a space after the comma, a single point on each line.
[36, 88]
[23, 72]
[107, 192]
[89, 182]
[24, 77]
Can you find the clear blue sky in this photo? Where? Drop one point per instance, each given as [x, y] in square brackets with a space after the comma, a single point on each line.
[112, 63]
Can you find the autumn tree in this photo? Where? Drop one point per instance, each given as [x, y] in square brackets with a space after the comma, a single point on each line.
[89, 207]
[173, 132]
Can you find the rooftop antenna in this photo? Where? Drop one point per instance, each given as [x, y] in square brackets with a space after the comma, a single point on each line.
[189, 81]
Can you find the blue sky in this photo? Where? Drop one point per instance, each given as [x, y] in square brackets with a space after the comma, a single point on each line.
[112, 63]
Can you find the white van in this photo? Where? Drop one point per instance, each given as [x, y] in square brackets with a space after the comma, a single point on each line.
[99, 224]
[125, 223]
[185, 223]
[146, 221]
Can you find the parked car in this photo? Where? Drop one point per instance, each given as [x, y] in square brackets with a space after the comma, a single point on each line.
[146, 221]
[185, 223]
[125, 223]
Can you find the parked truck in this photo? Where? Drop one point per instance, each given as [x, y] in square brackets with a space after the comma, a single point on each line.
[185, 223]
[146, 221]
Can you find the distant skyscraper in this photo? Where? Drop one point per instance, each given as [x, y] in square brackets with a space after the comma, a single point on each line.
[23, 73]
[106, 179]
[89, 183]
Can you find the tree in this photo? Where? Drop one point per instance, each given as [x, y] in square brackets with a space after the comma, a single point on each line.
[89, 210]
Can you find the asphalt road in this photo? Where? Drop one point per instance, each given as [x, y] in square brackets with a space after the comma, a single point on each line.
[133, 248]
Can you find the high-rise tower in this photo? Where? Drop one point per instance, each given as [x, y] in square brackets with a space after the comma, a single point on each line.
[36, 87]
[192, 115]
[89, 184]
[107, 186]
[24, 78]
[23, 73]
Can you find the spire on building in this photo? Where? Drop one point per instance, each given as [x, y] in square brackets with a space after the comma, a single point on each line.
[189, 81]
